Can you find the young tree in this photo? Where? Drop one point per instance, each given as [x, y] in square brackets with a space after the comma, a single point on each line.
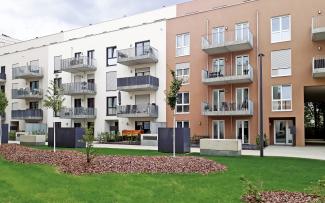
[172, 93]
[89, 138]
[54, 100]
[3, 106]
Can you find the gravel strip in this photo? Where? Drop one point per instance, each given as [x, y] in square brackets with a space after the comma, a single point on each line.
[283, 197]
[74, 162]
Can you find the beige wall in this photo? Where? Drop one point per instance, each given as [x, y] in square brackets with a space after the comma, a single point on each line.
[303, 50]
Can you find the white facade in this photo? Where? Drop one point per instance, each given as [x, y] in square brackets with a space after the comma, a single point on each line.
[6, 40]
[123, 33]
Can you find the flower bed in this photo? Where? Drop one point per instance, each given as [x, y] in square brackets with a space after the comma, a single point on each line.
[74, 162]
[281, 197]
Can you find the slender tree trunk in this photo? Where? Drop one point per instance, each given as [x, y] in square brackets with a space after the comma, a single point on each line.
[54, 137]
[0, 129]
[174, 135]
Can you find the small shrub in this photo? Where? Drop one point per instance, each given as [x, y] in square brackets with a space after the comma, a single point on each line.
[12, 135]
[251, 189]
[318, 189]
[101, 137]
[89, 138]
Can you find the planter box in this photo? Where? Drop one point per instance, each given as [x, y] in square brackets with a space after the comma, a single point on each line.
[32, 140]
[220, 147]
[149, 139]
[182, 140]
[67, 137]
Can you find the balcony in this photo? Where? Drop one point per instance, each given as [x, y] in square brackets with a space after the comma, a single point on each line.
[133, 56]
[27, 72]
[138, 111]
[245, 75]
[79, 64]
[228, 109]
[78, 113]
[3, 77]
[79, 88]
[138, 83]
[318, 28]
[27, 93]
[228, 41]
[319, 66]
[28, 114]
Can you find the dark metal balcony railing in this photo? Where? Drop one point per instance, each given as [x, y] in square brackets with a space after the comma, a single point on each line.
[28, 114]
[79, 88]
[79, 112]
[82, 63]
[143, 110]
[25, 93]
[26, 72]
[134, 56]
[319, 66]
[228, 109]
[138, 82]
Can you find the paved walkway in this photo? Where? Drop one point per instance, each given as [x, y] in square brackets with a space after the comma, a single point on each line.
[310, 152]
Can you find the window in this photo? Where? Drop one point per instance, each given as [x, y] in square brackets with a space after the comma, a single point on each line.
[281, 63]
[183, 72]
[218, 66]
[218, 35]
[182, 124]
[57, 64]
[218, 129]
[242, 31]
[183, 44]
[282, 98]
[280, 29]
[143, 125]
[242, 131]
[58, 82]
[218, 99]
[142, 72]
[111, 56]
[111, 103]
[142, 48]
[111, 81]
[33, 105]
[34, 86]
[242, 96]
[91, 57]
[34, 66]
[183, 102]
[242, 65]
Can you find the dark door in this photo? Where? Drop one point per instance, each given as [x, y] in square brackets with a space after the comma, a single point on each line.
[77, 103]
[3, 69]
[91, 103]
[34, 85]
[142, 48]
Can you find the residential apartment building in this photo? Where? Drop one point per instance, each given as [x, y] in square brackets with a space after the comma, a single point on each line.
[213, 45]
[6, 40]
[113, 75]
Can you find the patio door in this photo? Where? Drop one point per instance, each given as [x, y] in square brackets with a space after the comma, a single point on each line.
[218, 99]
[242, 31]
[219, 66]
[218, 129]
[142, 48]
[282, 132]
[218, 35]
[242, 131]
[242, 98]
[242, 65]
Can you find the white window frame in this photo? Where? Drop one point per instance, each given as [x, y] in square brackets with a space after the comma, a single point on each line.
[281, 30]
[213, 92]
[185, 48]
[248, 99]
[242, 121]
[224, 129]
[185, 78]
[182, 122]
[281, 75]
[242, 28]
[280, 100]
[241, 57]
[217, 68]
[217, 32]
[183, 104]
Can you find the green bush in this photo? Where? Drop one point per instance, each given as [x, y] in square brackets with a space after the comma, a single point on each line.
[12, 135]
[251, 189]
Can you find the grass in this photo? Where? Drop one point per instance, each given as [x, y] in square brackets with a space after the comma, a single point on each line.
[36, 183]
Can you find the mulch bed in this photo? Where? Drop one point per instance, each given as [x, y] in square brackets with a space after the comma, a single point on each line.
[74, 162]
[282, 197]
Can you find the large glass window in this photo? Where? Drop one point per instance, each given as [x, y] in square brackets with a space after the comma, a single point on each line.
[111, 103]
[282, 98]
[111, 56]
[183, 102]
[182, 124]
[183, 44]
[281, 63]
[218, 67]
[242, 31]
[183, 72]
[218, 35]
[281, 29]
[218, 129]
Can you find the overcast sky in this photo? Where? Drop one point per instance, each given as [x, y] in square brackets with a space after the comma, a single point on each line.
[26, 19]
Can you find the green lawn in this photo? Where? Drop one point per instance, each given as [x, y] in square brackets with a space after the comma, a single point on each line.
[35, 183]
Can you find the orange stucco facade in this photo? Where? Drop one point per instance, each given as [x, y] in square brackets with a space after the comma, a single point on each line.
[199, 17]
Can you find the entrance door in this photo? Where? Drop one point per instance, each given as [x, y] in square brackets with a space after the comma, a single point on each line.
[218, 129]
[282, 132]
[218, 99]
[242, 99]
[242, 131]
